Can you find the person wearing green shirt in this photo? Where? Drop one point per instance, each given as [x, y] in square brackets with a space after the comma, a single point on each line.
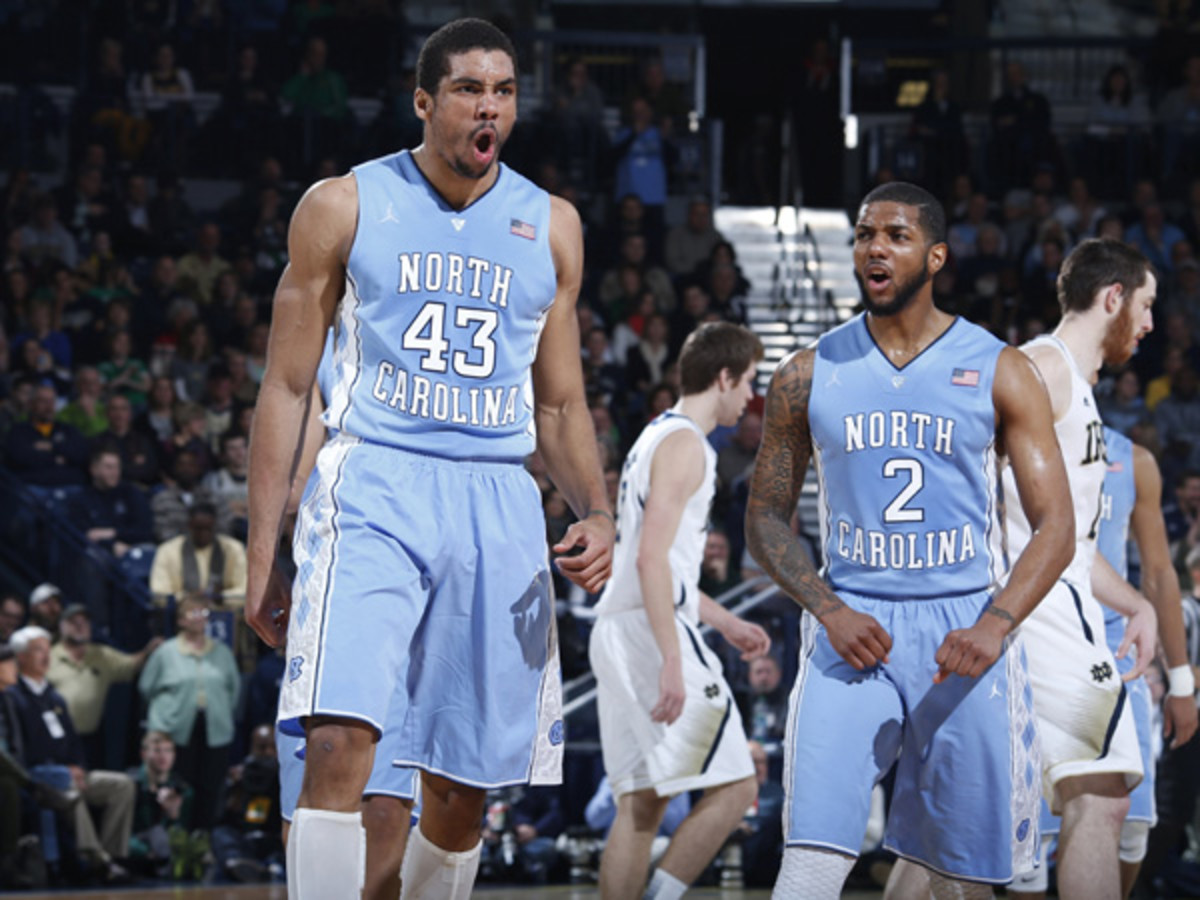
[315, 89]
[122, 373]
[190, 685]
[86, 411]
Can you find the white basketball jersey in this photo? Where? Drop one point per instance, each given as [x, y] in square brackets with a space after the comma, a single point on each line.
[1081, 437]
[624, 589]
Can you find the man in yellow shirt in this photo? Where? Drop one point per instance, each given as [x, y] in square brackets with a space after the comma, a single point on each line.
[200, 561]
[82, 672]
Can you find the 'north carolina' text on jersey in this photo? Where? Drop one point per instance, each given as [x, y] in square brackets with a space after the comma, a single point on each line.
[906, 464]
[439, 325]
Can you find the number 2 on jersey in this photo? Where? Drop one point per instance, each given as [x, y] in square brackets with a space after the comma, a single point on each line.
[897, 510]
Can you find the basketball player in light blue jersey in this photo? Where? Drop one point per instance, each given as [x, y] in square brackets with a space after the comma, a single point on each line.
[420, 542]
[390, 793]
[907, 649]
[1130, 507]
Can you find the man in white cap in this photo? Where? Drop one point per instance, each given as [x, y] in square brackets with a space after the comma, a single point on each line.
[45, 606]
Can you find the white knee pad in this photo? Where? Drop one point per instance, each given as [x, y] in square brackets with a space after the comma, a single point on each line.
[326, 855]
[1135, 836]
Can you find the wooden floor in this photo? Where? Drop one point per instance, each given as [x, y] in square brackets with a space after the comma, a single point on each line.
[489, 892]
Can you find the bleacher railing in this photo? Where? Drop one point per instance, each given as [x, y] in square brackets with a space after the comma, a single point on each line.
[40, 543]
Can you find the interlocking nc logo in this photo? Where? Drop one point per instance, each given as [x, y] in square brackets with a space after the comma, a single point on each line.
[1102, 672]
[712, 691]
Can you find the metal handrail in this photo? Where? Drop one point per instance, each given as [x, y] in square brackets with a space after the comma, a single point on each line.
[73, 542]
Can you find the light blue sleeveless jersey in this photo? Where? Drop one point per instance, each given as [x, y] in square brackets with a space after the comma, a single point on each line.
[911, 453]
[439, 325]
[1116, 503]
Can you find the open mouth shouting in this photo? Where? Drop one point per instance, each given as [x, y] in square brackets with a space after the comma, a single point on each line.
[484, 145]
[878, 278]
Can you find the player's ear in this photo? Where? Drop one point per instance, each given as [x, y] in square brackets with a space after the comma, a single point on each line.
[1114, 296]
[422, 104]
[935, 258]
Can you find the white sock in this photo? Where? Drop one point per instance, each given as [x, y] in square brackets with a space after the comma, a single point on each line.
[952, 889]
[326, 855]
[808, 873]
[431, 873]
[664, 886]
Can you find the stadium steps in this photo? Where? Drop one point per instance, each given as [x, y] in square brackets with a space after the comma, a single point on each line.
[801, 272]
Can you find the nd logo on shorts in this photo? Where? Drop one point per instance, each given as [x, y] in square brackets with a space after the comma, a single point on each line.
[295, 664]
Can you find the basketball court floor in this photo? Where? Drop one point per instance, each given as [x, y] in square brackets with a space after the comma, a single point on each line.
[486, 892]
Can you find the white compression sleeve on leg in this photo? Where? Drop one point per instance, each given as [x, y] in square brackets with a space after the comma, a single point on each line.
[944, 888]
[664, 886]
[808, 873]
[1135, 838]
[326, 855]
[431, 873]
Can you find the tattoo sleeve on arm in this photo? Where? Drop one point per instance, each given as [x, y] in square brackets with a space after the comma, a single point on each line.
[775, 488]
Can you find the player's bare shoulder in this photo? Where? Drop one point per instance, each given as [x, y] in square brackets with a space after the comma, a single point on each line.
[566, 239]
[1055, 372]
[326, 218]
[790, 388]
[1016, 374]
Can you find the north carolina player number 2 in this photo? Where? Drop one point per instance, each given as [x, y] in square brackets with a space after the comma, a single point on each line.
[897, 510]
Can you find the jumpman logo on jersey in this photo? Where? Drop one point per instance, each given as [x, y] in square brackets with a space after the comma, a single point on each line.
[833, 378]
[389, 216]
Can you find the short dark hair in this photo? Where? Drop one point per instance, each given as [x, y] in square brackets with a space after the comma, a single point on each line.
[203, 508]
[710, 349]
[456, 37]
[930, 214]
[1097, 263]
[103, 448]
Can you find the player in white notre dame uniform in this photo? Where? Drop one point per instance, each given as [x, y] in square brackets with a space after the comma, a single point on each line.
[668, 723]
[1091, 758]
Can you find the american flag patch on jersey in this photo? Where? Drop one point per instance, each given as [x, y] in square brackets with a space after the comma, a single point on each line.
[522, 229]
[965, 377]
[1117, 466]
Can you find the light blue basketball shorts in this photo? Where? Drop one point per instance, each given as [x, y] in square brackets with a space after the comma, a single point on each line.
[968, 776]
[432, 575]
[386, 779]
